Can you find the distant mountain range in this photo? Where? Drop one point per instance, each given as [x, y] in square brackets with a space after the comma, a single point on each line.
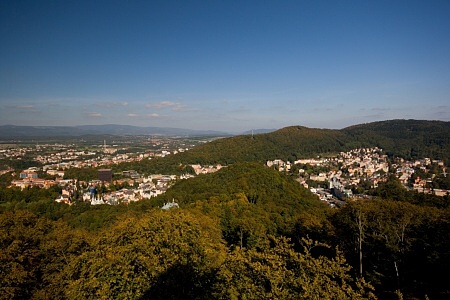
[8, 131]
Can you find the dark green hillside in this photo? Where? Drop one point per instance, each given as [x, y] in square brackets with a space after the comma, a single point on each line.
[287, 143]
[405, 138]
[261, 185]
[300, 142]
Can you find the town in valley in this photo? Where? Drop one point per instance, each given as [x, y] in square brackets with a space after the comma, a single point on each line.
[334, 178]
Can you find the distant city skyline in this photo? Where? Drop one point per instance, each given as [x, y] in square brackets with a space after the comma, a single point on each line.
[228, 66]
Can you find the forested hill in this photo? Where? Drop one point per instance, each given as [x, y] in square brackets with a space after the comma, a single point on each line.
[405, 138]
[271, 202]
[287, 142]
[260, 185]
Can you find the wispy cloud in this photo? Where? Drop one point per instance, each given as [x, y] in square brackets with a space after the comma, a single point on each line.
[24, 106]
[111, 104]
[161, 104]
[133, 115]
[94, 115]
[181, 107]
[154, 115]
[175, 106]
[21, 106]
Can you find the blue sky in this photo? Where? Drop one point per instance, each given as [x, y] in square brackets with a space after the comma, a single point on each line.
[223, 65]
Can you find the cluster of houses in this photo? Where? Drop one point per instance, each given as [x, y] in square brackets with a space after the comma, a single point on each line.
[199, 169]
[150, 186]
[62, 157]
[349, 168]
[30, 178]
[13, 153]
[139, 187]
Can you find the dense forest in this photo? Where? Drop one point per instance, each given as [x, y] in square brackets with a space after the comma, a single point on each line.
[244, 232]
